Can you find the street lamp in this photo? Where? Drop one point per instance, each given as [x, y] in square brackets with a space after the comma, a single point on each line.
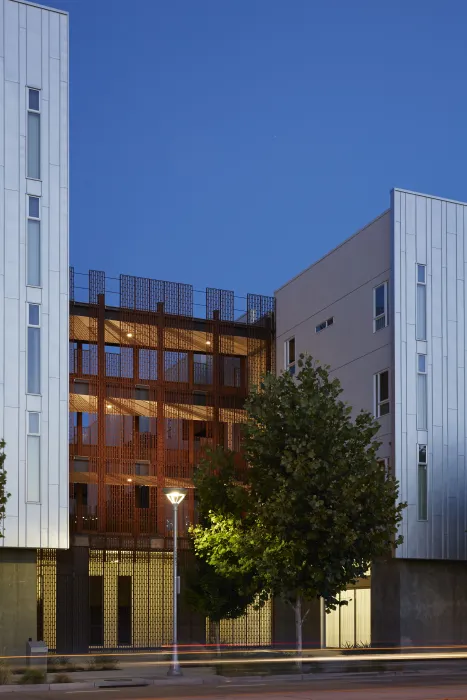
[175, 496]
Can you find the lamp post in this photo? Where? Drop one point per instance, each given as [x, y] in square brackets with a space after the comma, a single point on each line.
[175, 496]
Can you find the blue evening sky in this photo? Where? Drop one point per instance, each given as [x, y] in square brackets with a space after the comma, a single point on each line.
[230, 143]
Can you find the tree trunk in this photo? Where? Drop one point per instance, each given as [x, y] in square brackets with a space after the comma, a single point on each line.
[217, 634]
[298, 630]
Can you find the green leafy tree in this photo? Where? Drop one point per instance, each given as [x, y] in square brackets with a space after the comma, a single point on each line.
[208, 592]
[215, 596]
[321, 506]
[4, 496]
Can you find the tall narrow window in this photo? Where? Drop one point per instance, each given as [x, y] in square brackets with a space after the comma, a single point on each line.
[34, 134]
[422, 397]
[382, 394]
[380, 307]
[33, 271]
[33, 482]
[33, 350]
[422, 483]
[290, 355]
[421, 302]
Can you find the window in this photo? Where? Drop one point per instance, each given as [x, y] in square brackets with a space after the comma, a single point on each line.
[142, 468]
[382, 394]
[142, 393]
[33, 459]
[33, 248]
[422, 483]
[81, 464]
[380, 307]
[324, 324]
[81, 387]
[421, 302]
[33, 424]
[422, 396]
[290, 355]
[33, 350]
[142, 496]
[33, 135]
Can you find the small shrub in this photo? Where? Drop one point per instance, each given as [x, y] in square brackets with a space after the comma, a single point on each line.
[60, 663]
[63, 661]
[5, 674]
[33, 676]
[103, 663]
[61, 678]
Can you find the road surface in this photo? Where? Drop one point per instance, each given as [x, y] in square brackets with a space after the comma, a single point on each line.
[422, 686]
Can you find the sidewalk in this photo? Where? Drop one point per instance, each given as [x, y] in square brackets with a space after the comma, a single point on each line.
[152, 670]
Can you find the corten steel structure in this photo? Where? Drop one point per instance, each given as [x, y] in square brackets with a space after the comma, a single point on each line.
[153, 384]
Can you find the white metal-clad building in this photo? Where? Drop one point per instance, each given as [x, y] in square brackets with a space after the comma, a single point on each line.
[33, 297]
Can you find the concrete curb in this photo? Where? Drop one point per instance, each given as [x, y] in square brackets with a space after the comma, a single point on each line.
[115, 683]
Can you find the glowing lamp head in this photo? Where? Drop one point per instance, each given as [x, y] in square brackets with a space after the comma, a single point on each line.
[175, 495]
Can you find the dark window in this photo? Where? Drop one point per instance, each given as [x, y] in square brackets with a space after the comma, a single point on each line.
[142, 496]
[34, 207]
[199, 398]
[80, 464]
[143, 424]
[96, 610]
[81, 491]
[34, 100]
[81, 388]
[380, 296]
[291, 350]
[124, 610]
[142, 392]
[142, 469]
[231, 367]
[382, 394]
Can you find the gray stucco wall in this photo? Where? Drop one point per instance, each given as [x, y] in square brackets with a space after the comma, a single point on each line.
[341, 285]
[418, 603]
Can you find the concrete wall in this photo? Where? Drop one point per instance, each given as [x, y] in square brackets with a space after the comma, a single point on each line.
[341, 285]
[18, 606]
[431, 232]
[34, 54]
[417, 602]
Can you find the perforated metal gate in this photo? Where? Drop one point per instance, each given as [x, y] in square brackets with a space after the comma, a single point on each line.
[254, 629]
[47, 597]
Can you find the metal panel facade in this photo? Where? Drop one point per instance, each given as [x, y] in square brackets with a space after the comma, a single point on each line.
[429, 231]
[34, 54]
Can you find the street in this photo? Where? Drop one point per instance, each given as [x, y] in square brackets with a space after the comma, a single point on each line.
[446, 686]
